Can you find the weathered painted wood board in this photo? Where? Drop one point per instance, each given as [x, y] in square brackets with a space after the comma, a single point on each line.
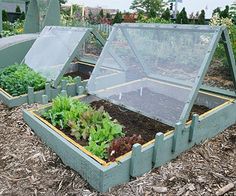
[14, 53]
[72, 89]
[142, 158]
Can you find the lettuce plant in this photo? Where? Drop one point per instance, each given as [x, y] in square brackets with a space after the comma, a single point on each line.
[84, 122]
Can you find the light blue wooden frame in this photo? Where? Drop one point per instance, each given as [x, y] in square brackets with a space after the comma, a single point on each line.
[222, 33]
[142, 159]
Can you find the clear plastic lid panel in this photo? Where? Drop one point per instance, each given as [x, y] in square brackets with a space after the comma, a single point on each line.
[91, 49]
[52, 49]
[154, 68]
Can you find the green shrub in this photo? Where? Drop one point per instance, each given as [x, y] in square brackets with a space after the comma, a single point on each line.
[16, 79]
[10, 29]
[216, 20]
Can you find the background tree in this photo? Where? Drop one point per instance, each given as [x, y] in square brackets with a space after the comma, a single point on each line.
[232, 11]
[166, 14]
[101, 13]
[152, 8]
[22, 16]
[62, 1]
[140, 15]
[18, 9]
[225, 12]
[118, 18]
[201, 18]
[222, 13]
[108, 15]
[4, 15]
[91, 18]
[182, 17]
[216, 11]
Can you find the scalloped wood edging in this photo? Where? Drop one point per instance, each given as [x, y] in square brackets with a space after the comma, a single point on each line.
[142, 159]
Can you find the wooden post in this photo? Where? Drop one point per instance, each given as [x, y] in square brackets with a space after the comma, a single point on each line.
[193, 127]
[64, 93]
[63, 84]
[44, 99]
[135, 159]
[30, 95]
[77, 80]
[158, 150]
[79, 90]
[48, 90]
[176, 137]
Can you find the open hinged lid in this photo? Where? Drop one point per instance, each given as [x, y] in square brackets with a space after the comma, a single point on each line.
[55, 49]
[155, 69]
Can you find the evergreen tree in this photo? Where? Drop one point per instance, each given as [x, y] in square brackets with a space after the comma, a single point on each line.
[201, 18]
[225, 12]
[4, 15]
[62, 1]
[185, 17]
[216, 11]
[101, 13]
[18, 9]
[118, 18]
[108, 15]
[182, 17]
[166, 14]
[22, 16]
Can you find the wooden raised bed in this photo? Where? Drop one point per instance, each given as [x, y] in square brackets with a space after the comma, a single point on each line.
[71, 89]
[102, 175]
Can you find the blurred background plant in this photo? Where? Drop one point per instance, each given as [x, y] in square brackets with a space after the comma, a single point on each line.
[10, 29]
[224, 20]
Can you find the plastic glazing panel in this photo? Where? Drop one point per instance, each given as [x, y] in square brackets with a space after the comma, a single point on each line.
[52, 49]
[156, 67]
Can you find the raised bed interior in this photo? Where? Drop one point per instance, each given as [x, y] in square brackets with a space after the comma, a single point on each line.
[81, 69]
[138, 124]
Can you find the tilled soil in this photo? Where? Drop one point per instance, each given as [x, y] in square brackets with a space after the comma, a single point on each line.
[219, 76]
[28, 167]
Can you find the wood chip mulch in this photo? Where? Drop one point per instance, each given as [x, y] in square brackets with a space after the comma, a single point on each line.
[28, 167]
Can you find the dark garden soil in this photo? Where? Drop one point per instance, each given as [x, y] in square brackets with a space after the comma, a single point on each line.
[219, 76]
[134, 123]
[83, 75]
[91, 49]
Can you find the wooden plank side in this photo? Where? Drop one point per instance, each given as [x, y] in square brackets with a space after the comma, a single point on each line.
[116, 174]
[207, 127]
[88, 168]
[102, 178]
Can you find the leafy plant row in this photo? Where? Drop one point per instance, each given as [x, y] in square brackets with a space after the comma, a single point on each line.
[16, 79]
[105, 136]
